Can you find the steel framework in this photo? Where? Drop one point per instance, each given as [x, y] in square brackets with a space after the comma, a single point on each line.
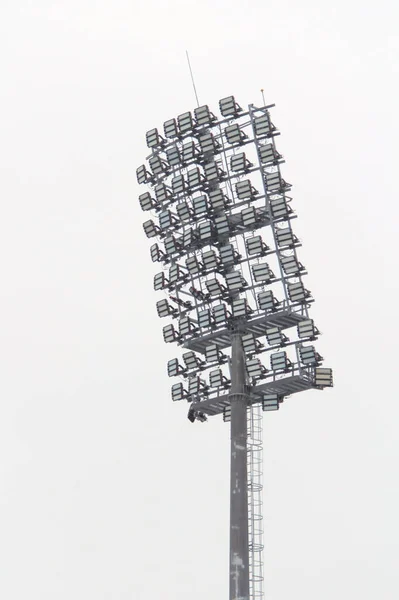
[233, 285]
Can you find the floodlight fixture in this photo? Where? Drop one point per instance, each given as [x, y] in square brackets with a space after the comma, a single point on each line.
[164, 309]
[143, 176]
[217, 379]
[218, 200]
[172, 246]
[150, 229]
[290, 265]
[154, 139]
[170, 334]
[179, 185]
[176, 274]
[268, 154]
[178, 392]
[267, 301]
[220, 314]
[279, 207]
[208, 144]
[184, 211]
[156, 253]
[245, 190]
[214, 287]
[213, 354]
[297, 292]
[227, 414]
[162, 192]
[193, 265]
[189, 152]
[189, 237]
[186, 326]
[256, 246]
[167, 219]
[275, 183]
[160, 281]
[241, 308]
[205, 320]
[285, 237]
[249, 216]
[213, 172]
[173, 156]
[309, 356]
[262, 126]
[270, 402]
[307, 329]
[196, 385]
[185, 123]
[228, 255]
[147, 202]
[275, 337]
[222, 225]
[235, 281]
[262, 272]
[250, 344]
[323, 377]
[239, 163]
[206, 230]
[175, 368]
[200, 205]
[210, 260]
[192, 361]
[234, 135]
[195, 178]
[203, 115]
[157, 165]
[170, 128]
[229, 107]
[279, 361]
[255, 369]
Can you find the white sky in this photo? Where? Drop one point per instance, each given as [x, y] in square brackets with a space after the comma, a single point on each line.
[107, 492]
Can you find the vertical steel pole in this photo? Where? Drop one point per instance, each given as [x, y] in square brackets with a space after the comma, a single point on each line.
[239, 555]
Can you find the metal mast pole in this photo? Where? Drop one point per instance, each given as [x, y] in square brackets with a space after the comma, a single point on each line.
[239, 555]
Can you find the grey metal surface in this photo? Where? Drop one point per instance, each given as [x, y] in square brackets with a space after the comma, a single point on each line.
[239, 557]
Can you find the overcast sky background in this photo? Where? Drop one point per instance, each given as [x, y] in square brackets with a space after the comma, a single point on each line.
[107, 492]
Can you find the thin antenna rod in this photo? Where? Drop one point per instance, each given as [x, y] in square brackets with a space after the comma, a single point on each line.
[192, 78]
[263, 97]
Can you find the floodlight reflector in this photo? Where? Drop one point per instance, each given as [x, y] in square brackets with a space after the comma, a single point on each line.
[153, 139]
[147, 202]
[166, 219]
[228, 255]
[290, 265]
[227, 414]
[307, 329]
[213, 354]
[267, 301]
[240, 163]
[244, 190]
[250, 344]
[178, 392]
[143, 176]
[285, 237]
[204, 319]
[170, 128]
[178, 185]
[156, 254]
[297, 292]
[157, 166]
[234, 135]
[217, 379]
[229, 107]
[208, 143]
[186, 326]
[173, 156]
[195, 178]
[188, 238]
[200, 205]
[323, 377]
[270, 402]
[309, 356]
[195, 385]
[193, 265]
[150, 229]
[170, 334]
[275, 183]
[268, 154]
[185, 122]
[218, 200]
[222, 225]
[279, 361]
[176, 273]
[189, 152]
[213, 172]
[162, 192]
[205, 230]
[210, 260]
[241, 308]
[235, 281]
[174, 368]
[262, 126]
[279, 207]
[214, 287]
[255, 369]
[203, 115]
[275, 337]
[183, 211]
[255, 245]
[191, 360]
[262, 272]
[171, 245]
[220, 314]
[164, 309]
[248, 216]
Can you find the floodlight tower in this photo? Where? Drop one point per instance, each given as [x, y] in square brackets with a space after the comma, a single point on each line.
[233, 285]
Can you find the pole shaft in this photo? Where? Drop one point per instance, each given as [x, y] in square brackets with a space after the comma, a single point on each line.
[239, 555]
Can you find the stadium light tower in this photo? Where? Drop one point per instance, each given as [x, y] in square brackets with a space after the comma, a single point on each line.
[232, 282]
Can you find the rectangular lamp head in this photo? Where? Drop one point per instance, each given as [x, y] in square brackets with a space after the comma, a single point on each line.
[279, 361]
[150, 229]
[173, 156]
[267, 301]
[228, 107]
[170, 128]
[323, 377]
[178, 392]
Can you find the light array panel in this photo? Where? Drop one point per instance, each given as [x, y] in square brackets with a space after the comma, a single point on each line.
[220, 213]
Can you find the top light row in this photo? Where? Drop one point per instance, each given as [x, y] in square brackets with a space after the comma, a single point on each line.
[185, 122]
